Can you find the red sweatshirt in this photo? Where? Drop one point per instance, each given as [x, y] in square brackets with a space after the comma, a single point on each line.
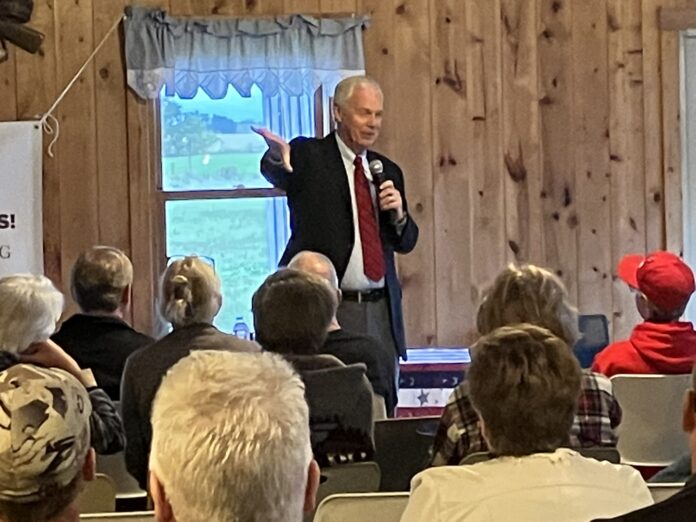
[653, 348]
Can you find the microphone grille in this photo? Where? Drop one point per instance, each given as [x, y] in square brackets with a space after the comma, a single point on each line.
[376, 167]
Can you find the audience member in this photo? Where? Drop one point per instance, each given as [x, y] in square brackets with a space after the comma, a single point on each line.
[231, 441]
[44, 444]
[189, 299]
[292, 313]
[99, 338]
[528, 294]
[524, 384]
[661, 344]
[31, 307]
[681, 506]
[346, 346]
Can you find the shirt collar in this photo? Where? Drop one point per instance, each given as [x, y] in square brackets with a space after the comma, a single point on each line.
[349, 156]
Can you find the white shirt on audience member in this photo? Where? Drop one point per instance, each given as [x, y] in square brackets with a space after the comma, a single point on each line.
[559, 486]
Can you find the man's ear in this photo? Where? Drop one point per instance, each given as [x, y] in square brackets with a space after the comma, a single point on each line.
[688, 413]
[337, 113]
[126, 297]
[313, 478]
[163, 509]
[89, 468]
[339, 295]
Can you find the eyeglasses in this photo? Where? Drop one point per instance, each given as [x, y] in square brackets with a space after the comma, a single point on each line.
[206, 259]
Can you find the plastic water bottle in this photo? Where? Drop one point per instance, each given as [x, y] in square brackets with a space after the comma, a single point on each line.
[240, 328]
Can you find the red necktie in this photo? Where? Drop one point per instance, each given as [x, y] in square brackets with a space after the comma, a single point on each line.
[373, 257]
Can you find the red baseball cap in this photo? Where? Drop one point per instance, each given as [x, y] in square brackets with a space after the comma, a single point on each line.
[663, 277]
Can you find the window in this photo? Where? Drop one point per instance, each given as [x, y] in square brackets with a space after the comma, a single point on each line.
[688, 132]
[213, 200]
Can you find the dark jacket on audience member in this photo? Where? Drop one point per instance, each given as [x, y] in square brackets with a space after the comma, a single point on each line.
[351, 348]
[680, 507]
[102, 344]
[143, 374]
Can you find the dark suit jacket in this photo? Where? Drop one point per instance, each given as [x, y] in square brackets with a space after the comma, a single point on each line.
[101, 344]
[321, 216]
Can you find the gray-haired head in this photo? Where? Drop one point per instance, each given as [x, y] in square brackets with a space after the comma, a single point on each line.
[317, 264]
[31, 307]
[344, 89]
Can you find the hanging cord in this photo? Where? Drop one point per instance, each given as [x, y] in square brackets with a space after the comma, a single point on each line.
[53, 127]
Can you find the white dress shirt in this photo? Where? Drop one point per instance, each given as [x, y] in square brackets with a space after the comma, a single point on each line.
[560, 486]
[354, 277]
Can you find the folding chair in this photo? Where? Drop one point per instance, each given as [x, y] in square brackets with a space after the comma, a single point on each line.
[650, 433]
[98, 495]
[134, 516]
[384, 507]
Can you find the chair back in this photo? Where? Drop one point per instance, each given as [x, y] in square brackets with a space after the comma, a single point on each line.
[650, 433]
[475, 458]
[611, 455]
[663, 490]
[402, 448]
[98, 495]
[384, 507]
[594, 330]
[134, 516]
[356, 477]
[340, 413]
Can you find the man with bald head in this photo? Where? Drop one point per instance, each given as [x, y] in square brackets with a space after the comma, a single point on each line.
[347, 346]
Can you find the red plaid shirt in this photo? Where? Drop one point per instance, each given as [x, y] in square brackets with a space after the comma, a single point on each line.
[459, 432]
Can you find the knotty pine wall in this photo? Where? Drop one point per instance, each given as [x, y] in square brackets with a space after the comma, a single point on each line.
[529, 130]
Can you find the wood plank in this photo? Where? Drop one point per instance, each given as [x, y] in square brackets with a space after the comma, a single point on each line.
[677, 18]
[409, 122]
[141, 195]
[8, 85]
[557, 195]
[625, 150]
[652, 129]
[36, 91]
[671, 145]
[590, 123]
[77, 144]
[521, 133]
[264, 7]
[338, 6]
[452, 134]
[487, 169]
[111, 125]
[301, 6]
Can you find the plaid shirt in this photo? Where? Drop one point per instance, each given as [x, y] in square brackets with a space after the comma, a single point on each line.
[459, 432]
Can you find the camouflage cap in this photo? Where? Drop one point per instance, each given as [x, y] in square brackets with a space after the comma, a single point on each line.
[44, 431]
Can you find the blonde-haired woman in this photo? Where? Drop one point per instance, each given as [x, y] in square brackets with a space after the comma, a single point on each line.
[534, 295]
[189, 299]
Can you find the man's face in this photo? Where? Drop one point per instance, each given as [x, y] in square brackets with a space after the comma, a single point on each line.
[360, 119]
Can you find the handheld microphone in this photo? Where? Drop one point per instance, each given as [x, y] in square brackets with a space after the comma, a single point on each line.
[377, 169]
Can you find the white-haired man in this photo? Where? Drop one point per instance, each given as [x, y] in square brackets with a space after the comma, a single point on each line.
[345, 345]
[355, 217]
[231, 441]
[99, 338]
[44, 444]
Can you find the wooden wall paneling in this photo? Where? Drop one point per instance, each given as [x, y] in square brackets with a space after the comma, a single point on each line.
[558, 199]
[379, 45]
[36, 92]
[652, 128]
[451, 132]
[264, 7]
[141, 181]
[191, 7]
[409, 123]
[522, 152]
[590, 123]
[77, 162]
[111, 123]
[485, 152]
[625, 149]
[8, 84]
[302, 6]
[338, 6]
[671, 140]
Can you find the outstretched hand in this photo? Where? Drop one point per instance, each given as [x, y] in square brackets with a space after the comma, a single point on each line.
[278, 146]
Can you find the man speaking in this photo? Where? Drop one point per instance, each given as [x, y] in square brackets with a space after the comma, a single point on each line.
[349, 203]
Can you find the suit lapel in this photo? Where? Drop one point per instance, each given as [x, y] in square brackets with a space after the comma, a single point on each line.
[336, 169]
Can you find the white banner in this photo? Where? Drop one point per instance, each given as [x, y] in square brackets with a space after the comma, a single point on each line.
[21, 230]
